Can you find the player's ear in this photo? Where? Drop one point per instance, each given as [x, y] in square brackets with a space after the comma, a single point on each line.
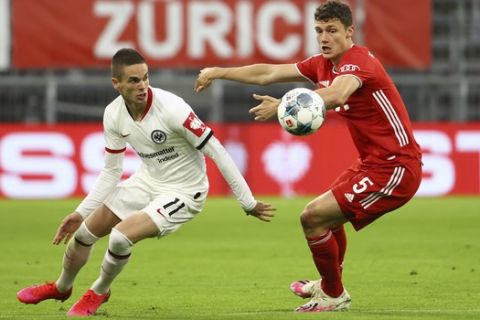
[350, 31]
[115, 83]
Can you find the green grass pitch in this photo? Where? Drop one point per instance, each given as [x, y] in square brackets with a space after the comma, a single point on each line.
[420, 262]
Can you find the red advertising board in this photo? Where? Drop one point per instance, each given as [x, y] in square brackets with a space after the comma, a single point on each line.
[40, 161]
[188, 33]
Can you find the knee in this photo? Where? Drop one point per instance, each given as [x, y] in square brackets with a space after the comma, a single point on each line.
[84, 236]
[119, 244]
[313, 217]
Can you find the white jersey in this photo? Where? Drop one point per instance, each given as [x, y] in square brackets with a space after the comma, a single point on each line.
[167, 139]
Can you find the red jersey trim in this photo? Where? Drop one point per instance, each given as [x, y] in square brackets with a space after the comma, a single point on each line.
[149, 102]
[115, 151]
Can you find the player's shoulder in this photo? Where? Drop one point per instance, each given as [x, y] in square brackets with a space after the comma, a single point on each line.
[170, 104]
[166, 97]
[358, 58]
[114, 107]
[318, 58]
[359, 52]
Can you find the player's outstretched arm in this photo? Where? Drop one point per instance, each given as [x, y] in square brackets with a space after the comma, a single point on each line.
[67, 227]
[215, 150]
[259, 74]
[262, 211]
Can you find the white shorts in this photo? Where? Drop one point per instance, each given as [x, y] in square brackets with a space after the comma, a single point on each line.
[168, 209]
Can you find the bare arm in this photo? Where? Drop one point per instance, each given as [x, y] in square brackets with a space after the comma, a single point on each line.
[339, 91]
[335, 95]
[259, 74]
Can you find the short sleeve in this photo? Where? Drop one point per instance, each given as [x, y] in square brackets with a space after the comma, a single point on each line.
[308, 68]
[360, 64]
[114, 142]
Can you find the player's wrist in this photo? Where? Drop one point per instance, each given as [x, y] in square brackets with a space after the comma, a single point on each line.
[218, 73]
[248, 209]
[82, 215]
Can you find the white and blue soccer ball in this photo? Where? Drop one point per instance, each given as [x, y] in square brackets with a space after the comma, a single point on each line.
[301, 111]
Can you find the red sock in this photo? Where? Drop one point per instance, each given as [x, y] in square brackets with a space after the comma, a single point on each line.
[325, 255]
[341, 238]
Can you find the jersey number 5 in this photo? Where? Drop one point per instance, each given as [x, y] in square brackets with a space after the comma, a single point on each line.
[362, 185]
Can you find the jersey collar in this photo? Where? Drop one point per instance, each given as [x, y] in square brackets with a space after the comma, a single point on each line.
[149, 102]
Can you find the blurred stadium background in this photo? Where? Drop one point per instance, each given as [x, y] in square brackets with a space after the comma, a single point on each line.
[54, 78]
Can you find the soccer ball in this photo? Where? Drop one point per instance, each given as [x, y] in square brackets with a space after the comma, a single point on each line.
[301, 111]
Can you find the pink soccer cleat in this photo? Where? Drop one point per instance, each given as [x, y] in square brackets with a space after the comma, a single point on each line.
[304, 288]
[36, 294]
[321, 302]
[88, 304]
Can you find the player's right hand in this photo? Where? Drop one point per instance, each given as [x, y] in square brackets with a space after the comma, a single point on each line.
[204, 79]
[262, 211]
[67, 228]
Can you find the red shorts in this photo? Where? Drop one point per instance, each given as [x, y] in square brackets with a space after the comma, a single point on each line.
[365, 193]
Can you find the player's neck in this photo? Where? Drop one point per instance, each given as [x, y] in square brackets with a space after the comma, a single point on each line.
[336, 60]
[136, 111]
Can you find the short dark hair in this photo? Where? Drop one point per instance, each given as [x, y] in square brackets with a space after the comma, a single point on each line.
[124, 57]
[334, 9]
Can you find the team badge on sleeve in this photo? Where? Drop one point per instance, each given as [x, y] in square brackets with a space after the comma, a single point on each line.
[195, 125]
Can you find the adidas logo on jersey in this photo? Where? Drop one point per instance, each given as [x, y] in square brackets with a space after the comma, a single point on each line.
[349, 196]
[324, 83]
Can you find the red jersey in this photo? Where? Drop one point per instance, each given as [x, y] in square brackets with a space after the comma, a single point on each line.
[376, 115]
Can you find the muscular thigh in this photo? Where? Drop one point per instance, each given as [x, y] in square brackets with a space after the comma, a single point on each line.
[323, 212]
[101, 221]
[137, 227]
[366, 193]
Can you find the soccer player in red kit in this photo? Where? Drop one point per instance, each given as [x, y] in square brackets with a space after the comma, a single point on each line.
[388, 172]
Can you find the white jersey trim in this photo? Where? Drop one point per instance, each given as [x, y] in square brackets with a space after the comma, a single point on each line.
[351, 75]
[394, 181]
[392, 117]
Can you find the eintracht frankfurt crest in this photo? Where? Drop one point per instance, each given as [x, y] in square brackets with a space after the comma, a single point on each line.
[158, 136]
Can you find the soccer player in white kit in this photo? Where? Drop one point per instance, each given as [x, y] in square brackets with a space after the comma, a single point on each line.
[168, 189]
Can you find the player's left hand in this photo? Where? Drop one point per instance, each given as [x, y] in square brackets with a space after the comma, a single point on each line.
[266, 109]
[67, 228]
[204, 79]
[262, 211]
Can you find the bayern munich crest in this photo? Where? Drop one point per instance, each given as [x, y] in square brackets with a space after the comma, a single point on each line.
[158, 136]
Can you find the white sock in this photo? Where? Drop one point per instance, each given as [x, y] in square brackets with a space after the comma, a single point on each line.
[111, 267]
[116, 257]
[74, 258]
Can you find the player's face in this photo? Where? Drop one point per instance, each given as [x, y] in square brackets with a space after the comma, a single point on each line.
[334, 39]
[133, 85]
